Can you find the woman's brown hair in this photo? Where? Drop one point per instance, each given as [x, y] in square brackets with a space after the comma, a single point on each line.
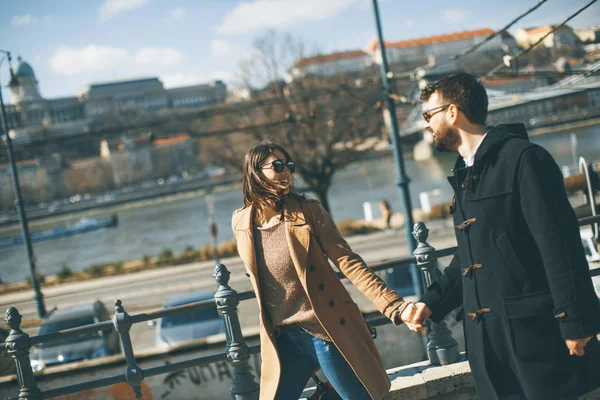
[258, 191]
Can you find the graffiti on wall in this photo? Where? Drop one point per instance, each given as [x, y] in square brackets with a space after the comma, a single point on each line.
[219, 371]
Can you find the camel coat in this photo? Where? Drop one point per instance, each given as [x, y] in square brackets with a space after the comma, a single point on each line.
[313, 238]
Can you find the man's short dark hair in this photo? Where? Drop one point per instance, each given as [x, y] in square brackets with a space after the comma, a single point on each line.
[464, 91]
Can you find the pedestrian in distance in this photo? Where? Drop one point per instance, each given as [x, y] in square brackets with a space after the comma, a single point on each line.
[307, 318]
[386, 212]
[530, 312]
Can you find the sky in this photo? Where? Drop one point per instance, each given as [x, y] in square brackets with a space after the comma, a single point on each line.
[73, 43]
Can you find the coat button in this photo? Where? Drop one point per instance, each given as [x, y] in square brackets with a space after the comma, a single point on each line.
[321, 286]
[331, 303]
[342, 321]
[311, 268]
[248, 275]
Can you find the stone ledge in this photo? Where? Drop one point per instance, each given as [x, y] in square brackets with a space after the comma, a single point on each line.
[424, 381]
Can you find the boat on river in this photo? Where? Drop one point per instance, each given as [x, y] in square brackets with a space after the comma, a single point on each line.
[83, 225]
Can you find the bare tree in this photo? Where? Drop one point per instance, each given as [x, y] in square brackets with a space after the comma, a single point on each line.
[326, 121]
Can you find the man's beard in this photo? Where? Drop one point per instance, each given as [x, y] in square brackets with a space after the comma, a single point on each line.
[446, 138]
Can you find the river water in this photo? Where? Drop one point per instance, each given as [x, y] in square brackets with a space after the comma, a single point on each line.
[177, 224]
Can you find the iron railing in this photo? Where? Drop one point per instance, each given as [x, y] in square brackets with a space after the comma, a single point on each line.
[442, 347]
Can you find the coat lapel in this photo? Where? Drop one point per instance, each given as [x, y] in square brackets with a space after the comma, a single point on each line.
[245, 239]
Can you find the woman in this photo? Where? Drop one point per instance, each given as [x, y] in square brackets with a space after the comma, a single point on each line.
[308, 319]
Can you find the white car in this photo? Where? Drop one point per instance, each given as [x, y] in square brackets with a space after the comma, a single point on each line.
[188, 326]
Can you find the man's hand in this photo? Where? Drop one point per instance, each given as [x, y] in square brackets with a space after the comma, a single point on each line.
[414, 316]
[576, 346]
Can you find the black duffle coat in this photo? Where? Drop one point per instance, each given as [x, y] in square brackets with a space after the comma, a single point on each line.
[519, 273]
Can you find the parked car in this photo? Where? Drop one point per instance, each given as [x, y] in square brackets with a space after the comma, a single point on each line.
[188, 326]
[83, 347]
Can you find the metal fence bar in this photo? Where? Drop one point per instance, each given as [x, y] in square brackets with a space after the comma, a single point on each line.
[244, 387]
[194, 362]
[442, 348]
[133, 373]
[167, 312]
[100, 326]
[18, 346]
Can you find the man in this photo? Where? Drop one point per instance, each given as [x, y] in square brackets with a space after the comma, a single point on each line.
[530, 311]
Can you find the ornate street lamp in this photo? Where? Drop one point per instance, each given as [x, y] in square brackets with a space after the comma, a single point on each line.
[39, 298]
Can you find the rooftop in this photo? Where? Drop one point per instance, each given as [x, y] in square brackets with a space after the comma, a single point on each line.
[172, 139]
[329, 57]
[451, 37]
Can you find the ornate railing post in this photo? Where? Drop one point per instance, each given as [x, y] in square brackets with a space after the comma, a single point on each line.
[133, 373]
[18, 346]
[442, 348]
[244, 387]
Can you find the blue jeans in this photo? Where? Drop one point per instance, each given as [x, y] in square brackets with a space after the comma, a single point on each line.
[301, 353]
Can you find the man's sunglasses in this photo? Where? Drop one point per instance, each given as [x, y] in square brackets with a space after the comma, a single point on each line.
[428, 114]
[279, 165]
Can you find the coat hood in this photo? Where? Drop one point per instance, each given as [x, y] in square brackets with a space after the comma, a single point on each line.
[495, 138]
[498, 135]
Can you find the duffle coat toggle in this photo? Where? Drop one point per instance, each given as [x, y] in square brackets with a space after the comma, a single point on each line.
[467, 272]
[475, 316]
[465, 225]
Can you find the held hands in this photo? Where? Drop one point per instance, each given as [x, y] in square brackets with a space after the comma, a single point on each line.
[414, 316]
[576, 346]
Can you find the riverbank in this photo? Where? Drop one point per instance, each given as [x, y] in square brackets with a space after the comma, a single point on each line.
[166, 258]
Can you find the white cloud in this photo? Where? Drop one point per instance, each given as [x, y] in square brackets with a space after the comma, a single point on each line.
[94, 58]
[158, 57]
[111, 8]
[182, 79]
[24, 20]
[249, 16]
[91, 58]
[177, 13]
[454, 16]
[220, 47]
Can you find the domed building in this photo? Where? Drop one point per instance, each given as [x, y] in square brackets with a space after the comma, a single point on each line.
[28, 89]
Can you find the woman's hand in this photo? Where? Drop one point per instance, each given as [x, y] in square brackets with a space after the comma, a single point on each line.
[414, 316]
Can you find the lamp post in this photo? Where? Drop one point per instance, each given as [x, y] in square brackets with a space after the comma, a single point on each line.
[392, 276]
[39, 298]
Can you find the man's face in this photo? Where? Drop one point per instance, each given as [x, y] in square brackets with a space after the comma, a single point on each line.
[445, 136]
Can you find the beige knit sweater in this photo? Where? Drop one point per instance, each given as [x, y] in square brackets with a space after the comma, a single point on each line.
[282, 293]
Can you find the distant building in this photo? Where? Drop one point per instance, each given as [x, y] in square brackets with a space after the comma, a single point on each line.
[141, 158]
[31, 117]
[332, 64]
[563, 38]
[148, 95]
[422, 50]
[41, 179]
[129, 158]
[589, 35]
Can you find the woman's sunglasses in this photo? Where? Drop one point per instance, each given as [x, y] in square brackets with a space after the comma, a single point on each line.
[279, 165]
